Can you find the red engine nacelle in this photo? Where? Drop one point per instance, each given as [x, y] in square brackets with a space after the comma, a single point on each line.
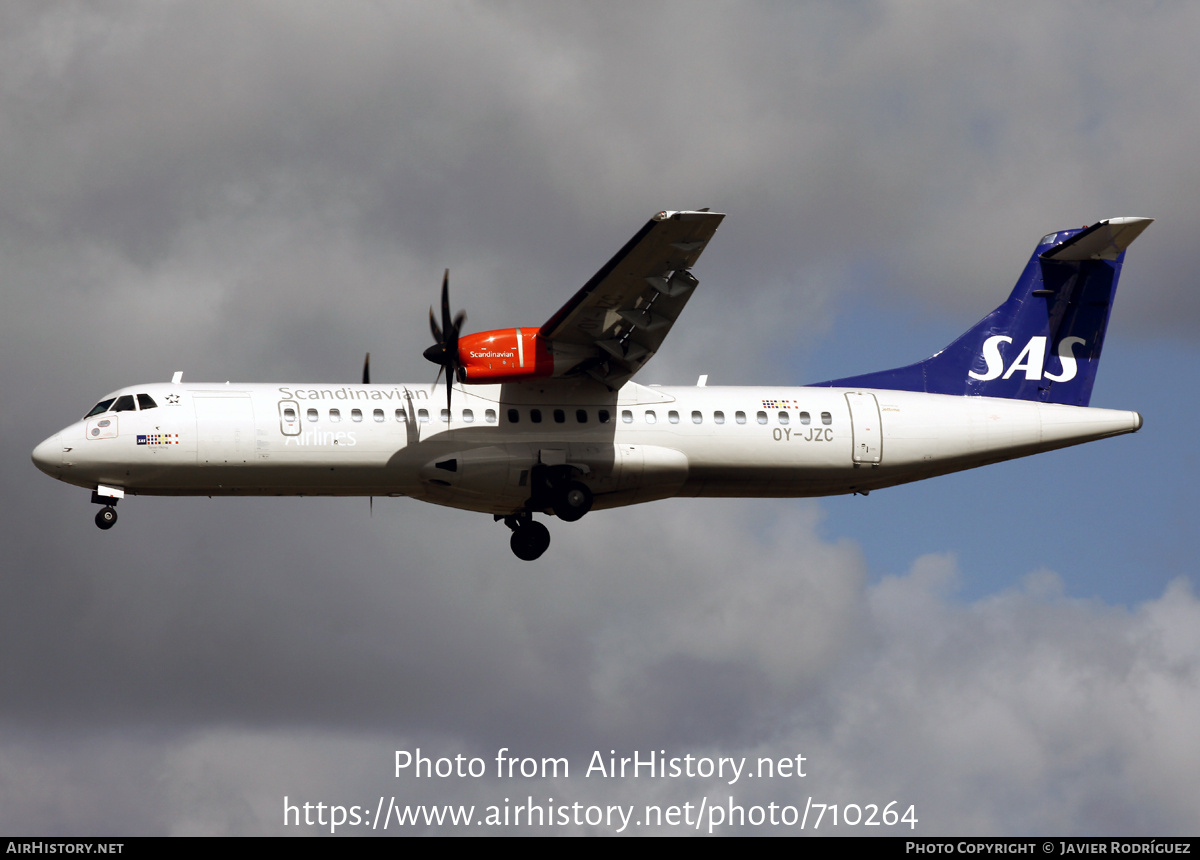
[504, 355]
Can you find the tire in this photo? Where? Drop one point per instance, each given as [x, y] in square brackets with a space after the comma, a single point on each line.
[530, 541]
[106, 517]
[573, 502]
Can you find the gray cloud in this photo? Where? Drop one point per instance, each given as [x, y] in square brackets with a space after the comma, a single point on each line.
[969, 711]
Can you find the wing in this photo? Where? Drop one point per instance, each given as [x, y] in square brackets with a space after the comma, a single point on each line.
[617, 321]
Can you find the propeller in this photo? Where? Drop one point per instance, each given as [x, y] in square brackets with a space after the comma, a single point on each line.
[367, 370]
[444, 351]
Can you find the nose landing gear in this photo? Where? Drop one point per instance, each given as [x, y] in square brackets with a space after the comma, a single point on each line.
[106, 517]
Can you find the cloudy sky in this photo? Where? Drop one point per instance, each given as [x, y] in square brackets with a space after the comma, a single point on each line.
[265, 191]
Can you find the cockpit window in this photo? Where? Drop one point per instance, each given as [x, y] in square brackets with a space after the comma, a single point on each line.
[124, 404]
[102, 406]
[145, 401]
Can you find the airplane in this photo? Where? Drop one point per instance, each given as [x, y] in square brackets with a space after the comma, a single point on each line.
[547, 420]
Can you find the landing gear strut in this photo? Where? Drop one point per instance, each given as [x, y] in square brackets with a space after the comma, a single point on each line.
[529, 538]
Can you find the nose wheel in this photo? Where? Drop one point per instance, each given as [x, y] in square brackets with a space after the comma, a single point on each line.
[529, 538]
[106, 517]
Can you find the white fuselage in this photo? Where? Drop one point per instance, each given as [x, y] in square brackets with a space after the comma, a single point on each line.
[657, 442]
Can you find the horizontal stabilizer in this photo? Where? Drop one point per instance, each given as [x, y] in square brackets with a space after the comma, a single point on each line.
[1102, 241]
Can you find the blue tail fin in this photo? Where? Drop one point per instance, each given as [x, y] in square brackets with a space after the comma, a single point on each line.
[1043, 343]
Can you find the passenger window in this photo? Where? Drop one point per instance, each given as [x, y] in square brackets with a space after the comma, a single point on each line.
[356, 415]
[513, 416]
[826, 418]
[468, 416]
[401, 416]
[289, 413]
[718, 417]
[99, 408]
[423, 415]
[626, 416]
[535, 415]
[124, 404]
[762, 418]
[581, 416]
[311, 415]
[783, 418]
[740, 417]
[651, 418]
[697, 418]
[335, 415]
[445, 416]
[378, 415]
[673, 417]
[603, 417]
[804, 418]
[489, 416]
[145, 401]
[560, 417]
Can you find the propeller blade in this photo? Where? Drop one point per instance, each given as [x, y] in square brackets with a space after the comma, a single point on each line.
[449, 381]
[367, 370]
[444, 351]
[446, 321]
[433, 327]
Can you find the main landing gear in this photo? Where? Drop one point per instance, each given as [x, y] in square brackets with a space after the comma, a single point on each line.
[554, 488]
[557, 488]
[571, 501]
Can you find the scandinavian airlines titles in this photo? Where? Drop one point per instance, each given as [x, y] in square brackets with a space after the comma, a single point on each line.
[1031, 360]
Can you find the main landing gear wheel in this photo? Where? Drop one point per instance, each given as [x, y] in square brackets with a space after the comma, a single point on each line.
[106, 517]
[529, 540]
[572, 502]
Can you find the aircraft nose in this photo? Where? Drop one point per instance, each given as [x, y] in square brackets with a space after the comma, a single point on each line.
[48, 455]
